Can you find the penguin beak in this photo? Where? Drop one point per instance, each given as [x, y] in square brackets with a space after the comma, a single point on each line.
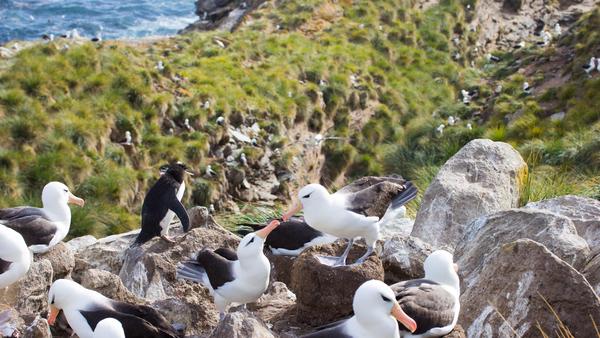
[264, 232]
[76, 200]
[403, 318]
[54, 311]
[191, 173]
[296, 207]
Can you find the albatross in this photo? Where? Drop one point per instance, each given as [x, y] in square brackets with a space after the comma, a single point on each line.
[42, 228]
[15, 257]
[375, 314]
[432, 302]
[85, 309]
[239, 277]
[357, 210]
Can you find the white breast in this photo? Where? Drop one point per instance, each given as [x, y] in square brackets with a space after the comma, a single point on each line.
[166, 221]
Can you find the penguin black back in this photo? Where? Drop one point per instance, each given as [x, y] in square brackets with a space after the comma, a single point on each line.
[161, 198]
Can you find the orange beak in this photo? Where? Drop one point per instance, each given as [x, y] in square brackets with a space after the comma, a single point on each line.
[296, 207]
[403, 318]
[76, 200]
[264, 232]
[54, 311]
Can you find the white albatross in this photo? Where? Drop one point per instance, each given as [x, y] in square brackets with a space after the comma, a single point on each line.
[15, 257]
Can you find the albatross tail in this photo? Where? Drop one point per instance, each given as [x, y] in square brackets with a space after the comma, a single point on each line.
[192, 271]
[397, 206]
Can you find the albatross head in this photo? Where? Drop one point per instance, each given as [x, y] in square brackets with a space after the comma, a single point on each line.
[63, 294]
[311, 197]
[252, 244]
[375, 307]
[109, 328]
[57, 193]
[439, 267]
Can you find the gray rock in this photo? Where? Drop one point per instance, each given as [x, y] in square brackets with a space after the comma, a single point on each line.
[398, 226]
[591, 271]
[519, 285]
[199, 217]
[39, 328]
[485, 234]
[482, 178]
[241, 324]
[29, 296]
[109, 285]
[62, 259]
[82, 242]
[104, 254]
[583, 211]
[403, 258]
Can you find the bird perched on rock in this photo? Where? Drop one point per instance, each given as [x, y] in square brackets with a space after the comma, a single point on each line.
[220, 120]
[42, 228]
[209, 172]
[291, 237]
[526, 88]
[243, 160]
[469, 126]
[557, 29]
[375, 314]
[591, 65]
[211, 209]
[432, 302]
[492, 58]
[15, 257]
[162, 203]
[232, 277]
[357, 210]
[440, 129]
[186, 124]
[128, 138]
[466, 97]
[85, 309]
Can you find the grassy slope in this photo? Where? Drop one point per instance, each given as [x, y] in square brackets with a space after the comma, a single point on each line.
[63, 111]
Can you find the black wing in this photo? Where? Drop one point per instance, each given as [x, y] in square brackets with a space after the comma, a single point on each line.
[134, 327]
[4, 266]
[227, 253]
[179, 210]
[425, 301]
[375, 199]
[218, 268]
[147, 313]
[291, 235]
[32, 223]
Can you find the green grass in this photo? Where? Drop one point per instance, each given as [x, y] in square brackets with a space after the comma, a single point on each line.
[64, 112]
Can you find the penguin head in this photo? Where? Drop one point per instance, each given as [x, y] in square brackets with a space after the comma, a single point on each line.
[177, 170]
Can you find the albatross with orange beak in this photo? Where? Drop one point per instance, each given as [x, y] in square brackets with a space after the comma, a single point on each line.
[42, 228]
[375, 314]
[232, 277]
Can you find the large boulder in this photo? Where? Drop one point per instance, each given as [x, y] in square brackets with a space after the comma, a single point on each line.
[482, 178]
[241, 324]
[29, 295]
[104, 254]
[556, 232]
[325, 293]
[582, 211]
[403, 258]
[523, 288]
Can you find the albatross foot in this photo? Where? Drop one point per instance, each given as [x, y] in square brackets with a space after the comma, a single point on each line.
[332, 260]
[167, 239]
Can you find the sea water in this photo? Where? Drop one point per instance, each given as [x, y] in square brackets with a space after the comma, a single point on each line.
[112, 19]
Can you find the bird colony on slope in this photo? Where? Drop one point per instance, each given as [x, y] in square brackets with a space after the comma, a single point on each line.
[360, 209]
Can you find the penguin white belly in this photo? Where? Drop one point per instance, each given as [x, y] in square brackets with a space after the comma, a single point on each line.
[166, 221]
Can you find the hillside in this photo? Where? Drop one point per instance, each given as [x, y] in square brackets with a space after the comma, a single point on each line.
[379, 76]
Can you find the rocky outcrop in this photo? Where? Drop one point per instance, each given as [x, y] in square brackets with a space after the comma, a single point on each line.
[483, 235]
[482, 178]
[591, 271]
[582, 211]
[503, 24]
[403, 258]
[62, 259]
[241, 324]
[29, 296]
[223, 15]
[325, 293]
[520, 286]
